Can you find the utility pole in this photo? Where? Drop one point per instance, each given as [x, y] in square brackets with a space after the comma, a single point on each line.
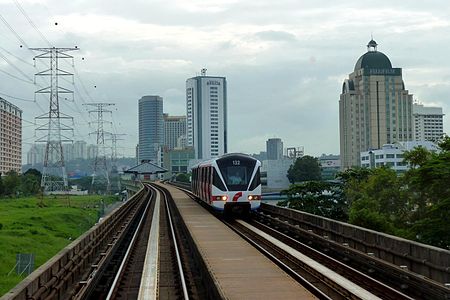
[100, 164]
[54, 176]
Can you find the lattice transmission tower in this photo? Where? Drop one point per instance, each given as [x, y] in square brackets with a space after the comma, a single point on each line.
[100, 162]
[54, 176]
[114, 137]
[114, 171]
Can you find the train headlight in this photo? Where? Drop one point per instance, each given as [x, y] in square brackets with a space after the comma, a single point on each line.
[224, 198]
[254, 197]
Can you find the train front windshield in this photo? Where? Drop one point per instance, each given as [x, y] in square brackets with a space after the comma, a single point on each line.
[237, 173]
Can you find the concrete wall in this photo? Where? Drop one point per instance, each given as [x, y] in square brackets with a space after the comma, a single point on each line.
[426, 260]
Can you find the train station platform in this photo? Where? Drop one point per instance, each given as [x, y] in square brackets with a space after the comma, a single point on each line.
[239, 270]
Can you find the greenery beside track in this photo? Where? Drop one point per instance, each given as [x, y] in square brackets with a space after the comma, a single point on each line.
[415, 205]
[43, 226]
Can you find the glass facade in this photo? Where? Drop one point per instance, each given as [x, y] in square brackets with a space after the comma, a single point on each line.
[151, 127]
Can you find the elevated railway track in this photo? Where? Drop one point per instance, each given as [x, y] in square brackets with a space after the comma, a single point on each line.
[160, 244]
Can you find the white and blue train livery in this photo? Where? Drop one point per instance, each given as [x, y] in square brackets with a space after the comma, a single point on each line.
[228, 183]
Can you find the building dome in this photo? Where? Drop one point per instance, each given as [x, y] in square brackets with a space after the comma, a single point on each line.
[373, 59]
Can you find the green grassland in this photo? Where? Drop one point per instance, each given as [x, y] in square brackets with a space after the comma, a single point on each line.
[43, 227]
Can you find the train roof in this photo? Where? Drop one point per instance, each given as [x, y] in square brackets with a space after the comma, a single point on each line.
[228, 155]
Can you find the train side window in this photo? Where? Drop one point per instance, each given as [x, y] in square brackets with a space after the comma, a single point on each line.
[217, 182]
[256, 180]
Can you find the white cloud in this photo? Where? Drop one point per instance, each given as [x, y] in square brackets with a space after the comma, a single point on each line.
[286, 57]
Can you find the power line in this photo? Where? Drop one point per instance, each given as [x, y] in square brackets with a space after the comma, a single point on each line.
[31, 22]
[18, 58]
[15, 67]
[17, 98]
[15, 77]
[14, 32]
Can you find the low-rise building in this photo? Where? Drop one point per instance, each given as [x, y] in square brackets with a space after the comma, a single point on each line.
[330, 165]
[274, 174]
[177, 161]
[391, 155]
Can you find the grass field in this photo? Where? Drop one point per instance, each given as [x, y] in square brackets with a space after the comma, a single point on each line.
[42, 227]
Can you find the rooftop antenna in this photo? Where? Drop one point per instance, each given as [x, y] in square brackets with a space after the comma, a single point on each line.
[203, 71]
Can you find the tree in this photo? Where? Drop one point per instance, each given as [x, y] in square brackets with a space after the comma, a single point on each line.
[11, 183]
[430, 197]
[30, 184]
[1, 186]
[378, 200]
[33, 172]
[417, 157]
[304, 169]
[319, 198]
[181, 177]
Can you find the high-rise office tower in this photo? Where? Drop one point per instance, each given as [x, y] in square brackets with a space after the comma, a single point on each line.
[206, 101]
[151, 127]
[174, 127]
[274, 149]
[374, 107]
[428, 123]
[10, 137]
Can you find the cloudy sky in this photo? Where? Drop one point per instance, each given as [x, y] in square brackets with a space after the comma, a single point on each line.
[284, 60]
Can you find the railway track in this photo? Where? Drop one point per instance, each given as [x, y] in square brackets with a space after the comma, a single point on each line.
[317, 271]
[361, 274]
[142, 251]
[111, 267]
[409, 283]
[147, 262]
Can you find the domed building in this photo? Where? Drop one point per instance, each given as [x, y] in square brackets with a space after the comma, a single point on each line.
[374, 107]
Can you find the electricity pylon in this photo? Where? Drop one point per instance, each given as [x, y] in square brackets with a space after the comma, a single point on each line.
[54, 176]
[100, 163]
[114, 137]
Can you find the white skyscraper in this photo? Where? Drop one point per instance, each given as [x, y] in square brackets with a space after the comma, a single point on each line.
[428, 123]
[206, 99]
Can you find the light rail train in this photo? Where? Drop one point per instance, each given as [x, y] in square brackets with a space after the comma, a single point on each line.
[228, 183]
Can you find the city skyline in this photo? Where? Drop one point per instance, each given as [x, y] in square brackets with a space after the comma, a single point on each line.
[289, 60]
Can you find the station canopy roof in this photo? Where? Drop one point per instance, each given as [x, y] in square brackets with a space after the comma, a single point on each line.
[146, 167]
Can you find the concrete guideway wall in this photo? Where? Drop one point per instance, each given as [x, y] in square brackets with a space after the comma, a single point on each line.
[61, 266]
[429, 261]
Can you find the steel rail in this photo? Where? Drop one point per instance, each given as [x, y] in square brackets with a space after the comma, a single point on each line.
[127, 253]
[97, 269]
[367, 282]
[410, 283]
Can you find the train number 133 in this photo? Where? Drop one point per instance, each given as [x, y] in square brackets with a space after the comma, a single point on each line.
[236, 162]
